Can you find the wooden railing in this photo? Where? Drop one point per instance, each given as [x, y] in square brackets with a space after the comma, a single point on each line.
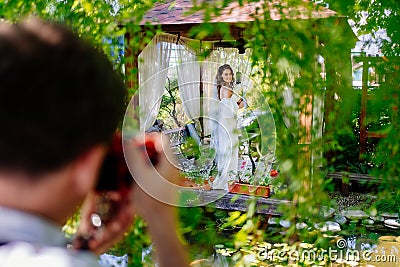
[347, 180]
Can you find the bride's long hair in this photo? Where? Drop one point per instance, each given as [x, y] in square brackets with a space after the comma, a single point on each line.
[220, 81]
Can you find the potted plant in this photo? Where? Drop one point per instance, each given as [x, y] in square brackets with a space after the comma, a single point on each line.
[252, 185]
[196, 180]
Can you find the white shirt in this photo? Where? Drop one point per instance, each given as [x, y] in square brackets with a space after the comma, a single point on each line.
[29, 240]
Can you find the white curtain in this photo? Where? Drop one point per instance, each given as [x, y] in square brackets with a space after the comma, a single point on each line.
[188, 71]
[210, 103]
[153, 68]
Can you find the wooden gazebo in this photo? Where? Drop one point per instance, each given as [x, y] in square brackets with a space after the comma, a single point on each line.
[172, 17]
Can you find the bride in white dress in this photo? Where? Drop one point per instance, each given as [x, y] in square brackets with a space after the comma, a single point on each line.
[227, 136]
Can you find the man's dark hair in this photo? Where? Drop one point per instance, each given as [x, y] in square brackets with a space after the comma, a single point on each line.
[58, 96]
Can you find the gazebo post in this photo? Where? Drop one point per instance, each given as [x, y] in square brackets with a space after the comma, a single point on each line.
[306, 116]
[132, 74]
[131, 63]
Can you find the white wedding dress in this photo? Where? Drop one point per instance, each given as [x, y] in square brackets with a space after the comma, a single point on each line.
[227, 142]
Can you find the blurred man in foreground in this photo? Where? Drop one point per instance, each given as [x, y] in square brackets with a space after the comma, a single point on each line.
[60, 104]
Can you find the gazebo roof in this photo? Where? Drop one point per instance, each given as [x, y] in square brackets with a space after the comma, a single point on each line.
[174, 16]
[175, 12]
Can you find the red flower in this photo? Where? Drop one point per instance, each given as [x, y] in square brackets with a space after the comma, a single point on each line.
[273, 173]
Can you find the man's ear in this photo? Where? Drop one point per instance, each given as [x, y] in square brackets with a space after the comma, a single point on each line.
[85, 169]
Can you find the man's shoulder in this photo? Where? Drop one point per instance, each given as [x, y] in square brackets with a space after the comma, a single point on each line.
[26, 254]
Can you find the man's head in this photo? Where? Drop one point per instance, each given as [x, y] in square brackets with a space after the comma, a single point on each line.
[59, 97]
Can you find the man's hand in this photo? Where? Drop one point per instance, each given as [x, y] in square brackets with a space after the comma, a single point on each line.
[148, 197]
[154, 192]
[100, 238]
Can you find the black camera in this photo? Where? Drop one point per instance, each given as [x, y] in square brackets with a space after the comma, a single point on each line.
[114, 174]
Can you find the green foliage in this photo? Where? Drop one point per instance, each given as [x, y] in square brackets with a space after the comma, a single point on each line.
[346, 154]
[70, 227]
[199, 226]
[387, 153]
[92, 20]
[171, 111]
[284, 57]
[381, 15]
[389, 204]
[135, 241]
[370, 17]
[190, 148]
[279, 53]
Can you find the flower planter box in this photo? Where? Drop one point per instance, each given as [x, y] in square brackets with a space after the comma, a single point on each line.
[186, 182]
[248, 189]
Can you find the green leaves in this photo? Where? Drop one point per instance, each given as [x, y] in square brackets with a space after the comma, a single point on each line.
[93, 20]
[285, 57]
